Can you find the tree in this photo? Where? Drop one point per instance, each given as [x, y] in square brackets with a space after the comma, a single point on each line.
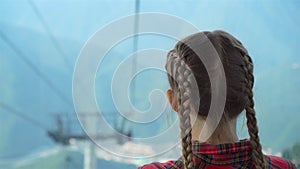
[293, 154]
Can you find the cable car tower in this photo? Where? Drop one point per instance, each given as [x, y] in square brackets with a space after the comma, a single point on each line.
[63, 136]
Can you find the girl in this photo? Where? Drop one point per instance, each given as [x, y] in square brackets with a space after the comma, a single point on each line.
[222, 149]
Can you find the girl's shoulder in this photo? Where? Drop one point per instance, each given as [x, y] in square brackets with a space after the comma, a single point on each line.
[278, 162]
[157, 165]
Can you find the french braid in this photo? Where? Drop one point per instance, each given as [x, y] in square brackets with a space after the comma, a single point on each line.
[182, 75]
[257, 154]
[247, 66]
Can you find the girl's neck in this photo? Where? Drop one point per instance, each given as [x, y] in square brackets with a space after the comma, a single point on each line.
[224, 133]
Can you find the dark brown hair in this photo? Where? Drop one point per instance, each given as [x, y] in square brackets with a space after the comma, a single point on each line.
[238, 68]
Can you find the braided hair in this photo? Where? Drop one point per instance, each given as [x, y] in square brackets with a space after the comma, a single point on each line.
[257, 154]
[183, 82]
[183, 63]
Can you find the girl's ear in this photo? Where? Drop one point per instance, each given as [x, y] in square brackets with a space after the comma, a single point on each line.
[172, 100]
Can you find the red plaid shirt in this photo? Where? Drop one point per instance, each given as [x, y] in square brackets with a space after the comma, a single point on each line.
[222, 156]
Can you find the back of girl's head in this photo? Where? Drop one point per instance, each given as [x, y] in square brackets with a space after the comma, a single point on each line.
[238, 68]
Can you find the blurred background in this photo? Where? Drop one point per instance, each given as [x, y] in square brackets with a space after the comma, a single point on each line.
[40, 41]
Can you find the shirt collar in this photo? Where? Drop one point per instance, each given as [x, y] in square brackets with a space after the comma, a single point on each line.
[227, 148]
[222, 154]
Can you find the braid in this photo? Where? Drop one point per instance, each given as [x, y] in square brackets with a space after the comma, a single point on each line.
[182, 74]
[257, 154]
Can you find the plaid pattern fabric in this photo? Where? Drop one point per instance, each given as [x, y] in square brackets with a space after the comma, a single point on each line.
[222, 156]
